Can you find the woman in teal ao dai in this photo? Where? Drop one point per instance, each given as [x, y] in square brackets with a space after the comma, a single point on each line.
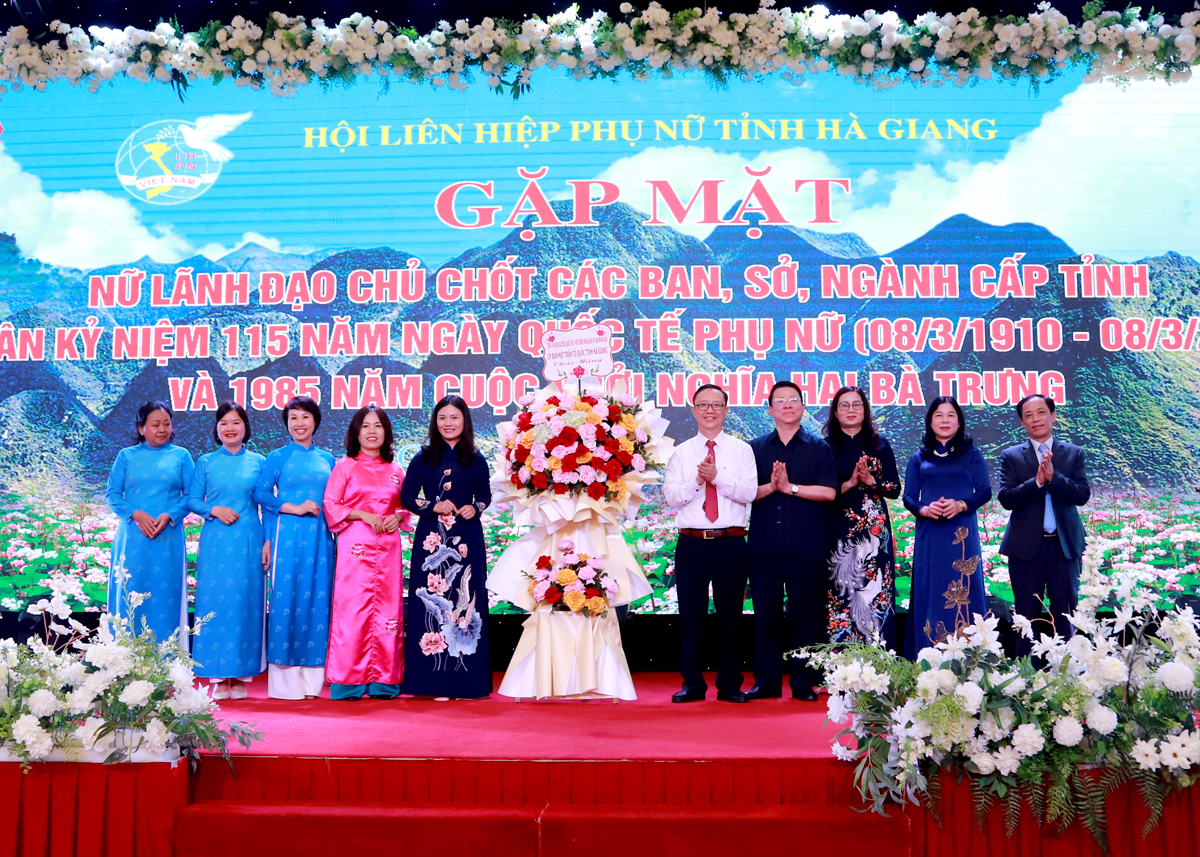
[290, 490]
[946, 483]
[230, 580]
[147, 489]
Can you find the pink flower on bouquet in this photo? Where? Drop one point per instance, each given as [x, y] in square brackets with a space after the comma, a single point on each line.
[433, 644]
[618, 432]
[577, 586]
[587, 574]
[569, 558]
[611, 587]
[539, 417]
[587, 474]
[539, 590]
[639, 463]
[640, 435]
[566, 545]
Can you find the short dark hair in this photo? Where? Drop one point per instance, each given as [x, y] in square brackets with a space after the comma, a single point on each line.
[777, 385]
[704, 387]
[222, 410]
[144, 413]
[961, 440]
[833, 426]
[303, 403]
[353, 447]
[465, 448]
[1021, 404]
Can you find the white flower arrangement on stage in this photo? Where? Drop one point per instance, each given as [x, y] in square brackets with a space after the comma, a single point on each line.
[109, 695]
[286, 52]
[1119, 695]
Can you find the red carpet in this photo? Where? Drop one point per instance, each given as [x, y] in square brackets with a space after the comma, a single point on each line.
[651, 727]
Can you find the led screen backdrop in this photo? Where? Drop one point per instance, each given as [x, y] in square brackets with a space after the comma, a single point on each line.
[367, 244]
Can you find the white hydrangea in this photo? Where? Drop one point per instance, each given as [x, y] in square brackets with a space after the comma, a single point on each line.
[1068, 731]
[1028, 740]
[1101, 718]
[28, 732]
[971, 695]
[137, 693]
[1176, 677]
[43, 703]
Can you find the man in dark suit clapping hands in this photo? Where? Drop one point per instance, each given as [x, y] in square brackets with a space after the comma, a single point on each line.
[1043, 481]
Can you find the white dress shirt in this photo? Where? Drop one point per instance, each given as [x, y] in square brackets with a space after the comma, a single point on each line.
[736, 483]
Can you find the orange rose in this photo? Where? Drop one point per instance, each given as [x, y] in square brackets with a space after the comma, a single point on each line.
[627, 443]
[553, 463]
[575, 600]
[583, 456]
[596, 605]
[583, 407]
[628, 422]
[593, 418]
[527, 439]
[566, 577]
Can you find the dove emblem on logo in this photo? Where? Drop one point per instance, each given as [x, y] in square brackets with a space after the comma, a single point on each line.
[174, 161]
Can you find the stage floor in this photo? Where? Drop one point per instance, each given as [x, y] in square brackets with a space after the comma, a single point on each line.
[650, 727]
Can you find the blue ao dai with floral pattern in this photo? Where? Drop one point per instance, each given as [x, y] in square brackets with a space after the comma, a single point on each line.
[230, 582]
[301, 588]
[154, 481]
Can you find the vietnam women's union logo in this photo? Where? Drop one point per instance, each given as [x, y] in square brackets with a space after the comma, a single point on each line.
[172, 161]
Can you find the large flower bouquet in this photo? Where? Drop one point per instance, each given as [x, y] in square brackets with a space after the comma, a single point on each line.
[575, 583]
[1119, 695]
[108, 695]
[585, 444]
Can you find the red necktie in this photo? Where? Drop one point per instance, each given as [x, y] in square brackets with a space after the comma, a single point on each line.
[710, 490]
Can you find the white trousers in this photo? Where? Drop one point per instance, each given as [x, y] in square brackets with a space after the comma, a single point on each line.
[285, 682]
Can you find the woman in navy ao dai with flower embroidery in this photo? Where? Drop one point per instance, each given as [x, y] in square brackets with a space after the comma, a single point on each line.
[230, 580]
[447, 486]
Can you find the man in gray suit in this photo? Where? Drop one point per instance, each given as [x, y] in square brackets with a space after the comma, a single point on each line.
[1043, 481]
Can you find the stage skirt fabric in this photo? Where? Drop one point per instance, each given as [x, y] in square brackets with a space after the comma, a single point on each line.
[153, 481]
[230, 582]
[446, 653]
[366, 641]
[302, 556]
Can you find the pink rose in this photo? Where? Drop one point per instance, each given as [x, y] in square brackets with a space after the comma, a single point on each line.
[526, 400]
[618, 432]
[566, 545]
[639, 463]
[587, 474]
[539, 591]
[587, 574]
[539, 417]
[640, 435]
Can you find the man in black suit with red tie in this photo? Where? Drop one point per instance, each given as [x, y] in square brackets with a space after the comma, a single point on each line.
[1043, 482]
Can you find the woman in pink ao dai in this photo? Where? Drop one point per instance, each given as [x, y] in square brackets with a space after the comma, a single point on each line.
[362, 507]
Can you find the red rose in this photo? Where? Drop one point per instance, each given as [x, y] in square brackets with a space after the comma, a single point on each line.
[540, 481]
[612, 445]
[591, 400]
[568, 436]
[553, 595]
[543, 561]
[597, 490]
[601, 434]
[516, 480]
[570, 463]
[560, 488]
[520, 454]
[591, 592]
[626, 458]
[614, 414]
[525, 420]
[553, 400]
[613, 468]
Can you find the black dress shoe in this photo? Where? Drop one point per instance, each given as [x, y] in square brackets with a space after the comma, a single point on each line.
[809, 695]
[732, 696]
[688, 695]
[760, 692]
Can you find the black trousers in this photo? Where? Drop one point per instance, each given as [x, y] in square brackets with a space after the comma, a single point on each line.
[806, 581]
[723, 563]
[1048, 575]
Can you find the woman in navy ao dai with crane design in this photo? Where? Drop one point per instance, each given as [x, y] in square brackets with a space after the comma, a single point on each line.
[447, 487]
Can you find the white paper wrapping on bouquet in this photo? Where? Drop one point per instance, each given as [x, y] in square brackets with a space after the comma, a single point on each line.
[568, 655]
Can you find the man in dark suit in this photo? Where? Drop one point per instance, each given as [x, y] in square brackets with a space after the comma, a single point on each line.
[1043, 481]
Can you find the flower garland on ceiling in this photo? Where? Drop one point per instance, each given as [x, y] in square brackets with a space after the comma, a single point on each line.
[288, 52]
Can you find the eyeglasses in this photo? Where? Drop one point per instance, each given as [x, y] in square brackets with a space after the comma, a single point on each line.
[794, 400]
[709, 406]
[850, 406]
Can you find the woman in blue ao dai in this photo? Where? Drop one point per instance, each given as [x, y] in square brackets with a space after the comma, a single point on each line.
[230, 582]
[147, 489]
[945, 484]
[290, 490]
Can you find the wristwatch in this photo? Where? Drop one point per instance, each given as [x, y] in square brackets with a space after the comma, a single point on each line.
[795, 489]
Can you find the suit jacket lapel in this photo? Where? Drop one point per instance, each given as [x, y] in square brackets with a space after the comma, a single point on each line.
[1030, 456]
